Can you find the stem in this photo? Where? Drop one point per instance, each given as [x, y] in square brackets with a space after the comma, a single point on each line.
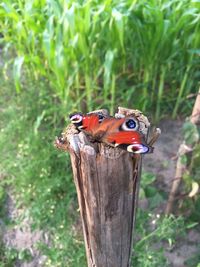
[195, 118]
[181, 166]
[112, 94]
[160, 92]
[145, 89]
[152, 234]
[185, 77]
[88, 91]
[77, 84]
[153, 85]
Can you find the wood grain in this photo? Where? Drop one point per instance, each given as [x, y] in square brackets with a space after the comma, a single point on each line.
[106, 187]
[107, 183]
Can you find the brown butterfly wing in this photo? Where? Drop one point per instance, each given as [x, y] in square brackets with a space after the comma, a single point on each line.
[108, 127]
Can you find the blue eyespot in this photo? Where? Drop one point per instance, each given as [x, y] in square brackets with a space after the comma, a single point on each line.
[131, 124]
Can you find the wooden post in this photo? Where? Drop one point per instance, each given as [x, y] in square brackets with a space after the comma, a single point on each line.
[107, 183]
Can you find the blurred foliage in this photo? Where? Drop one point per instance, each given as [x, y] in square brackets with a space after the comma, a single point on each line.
[190, 133]
[37, 175]
[156, 231]
[191, 176]
[149, 192]
[9, 256]
[137, 53]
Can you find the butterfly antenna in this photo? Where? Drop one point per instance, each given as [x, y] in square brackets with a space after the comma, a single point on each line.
[154, 136]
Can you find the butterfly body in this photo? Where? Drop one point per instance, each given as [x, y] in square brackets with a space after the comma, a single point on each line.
[121, 132]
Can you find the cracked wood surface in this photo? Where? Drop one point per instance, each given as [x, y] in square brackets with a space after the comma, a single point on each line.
[106, 188]
[107, 184]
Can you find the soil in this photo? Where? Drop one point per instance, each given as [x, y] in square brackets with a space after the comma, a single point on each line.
[21, 237]
[161, 163]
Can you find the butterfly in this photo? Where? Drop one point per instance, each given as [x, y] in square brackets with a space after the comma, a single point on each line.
[118, 132]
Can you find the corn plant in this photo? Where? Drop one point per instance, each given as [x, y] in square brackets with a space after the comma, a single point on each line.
[96, 53]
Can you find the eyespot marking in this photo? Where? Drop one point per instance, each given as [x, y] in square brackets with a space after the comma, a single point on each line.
[76, 118]
[130, 124]
[138, 148]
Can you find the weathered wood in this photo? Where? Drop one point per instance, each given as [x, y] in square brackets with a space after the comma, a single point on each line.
[107, 183]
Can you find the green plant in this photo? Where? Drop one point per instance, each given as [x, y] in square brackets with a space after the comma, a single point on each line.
[156, 232]
[105, 53]
[9, 256]
[149, 191]
[2, 201]
[39, 176]
[185, 187]
[193, 261]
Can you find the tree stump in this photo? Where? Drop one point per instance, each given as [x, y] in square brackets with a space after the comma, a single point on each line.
[107, 183]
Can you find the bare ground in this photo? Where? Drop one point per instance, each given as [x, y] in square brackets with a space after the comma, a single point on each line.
[21, 237]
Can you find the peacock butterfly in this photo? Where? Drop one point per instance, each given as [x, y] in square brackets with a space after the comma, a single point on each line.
[119, 132]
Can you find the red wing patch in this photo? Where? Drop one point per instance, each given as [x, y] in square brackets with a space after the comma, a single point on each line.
[125, 137]
[90, 122]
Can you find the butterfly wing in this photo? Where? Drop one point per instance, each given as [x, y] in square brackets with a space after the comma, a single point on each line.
[130, 141]
[105, 128]
[121, 132]
[124, 137]
[90, 122]
[87, 122]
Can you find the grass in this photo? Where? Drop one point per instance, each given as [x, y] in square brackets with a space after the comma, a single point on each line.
[157, 235]
[93, 53]
[39, 176]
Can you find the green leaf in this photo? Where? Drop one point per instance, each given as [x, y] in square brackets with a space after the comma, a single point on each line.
[142, 194]
[190, 132]
[147, 178]
[38, 122]
[2, 194]
[192, 225]
[156, 200]
[108, 63]
[17, 66]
